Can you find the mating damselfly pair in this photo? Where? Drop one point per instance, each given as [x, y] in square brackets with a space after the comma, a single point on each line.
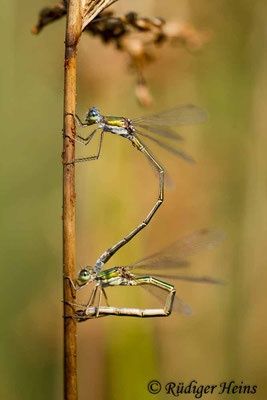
[159, 125]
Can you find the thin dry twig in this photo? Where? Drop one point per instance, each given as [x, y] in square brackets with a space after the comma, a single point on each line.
[73, 32]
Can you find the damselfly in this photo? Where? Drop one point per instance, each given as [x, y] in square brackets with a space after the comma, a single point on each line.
[171, 258]
[159, 125]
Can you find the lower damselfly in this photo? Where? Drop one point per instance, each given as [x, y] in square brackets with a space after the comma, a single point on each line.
[158, 125]
[172, 258]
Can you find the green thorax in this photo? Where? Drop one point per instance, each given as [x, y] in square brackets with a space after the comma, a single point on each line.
[108, 274]
[115, 121]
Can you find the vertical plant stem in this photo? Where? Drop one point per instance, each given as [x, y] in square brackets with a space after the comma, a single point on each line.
[73, 32]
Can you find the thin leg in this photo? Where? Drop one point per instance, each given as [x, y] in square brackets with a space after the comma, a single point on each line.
[87, 140]
[105, 296]
[112, 250]
[74, 286]
[92, 297]
[78, 120]
[99, 302]
[84, 141]
[81, 316]
[75, 304]
[91, 158]
[96, 312]
[90, 301]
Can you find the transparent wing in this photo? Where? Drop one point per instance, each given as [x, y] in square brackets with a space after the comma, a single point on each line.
[196, 279]
[172, 256]
[176, 116]
[165, 146]
[167, 180]
[179, 305]
[161, 131]
[164, 262]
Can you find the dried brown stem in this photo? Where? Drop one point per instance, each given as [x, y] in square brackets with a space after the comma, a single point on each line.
[78, 12]
[73, 32]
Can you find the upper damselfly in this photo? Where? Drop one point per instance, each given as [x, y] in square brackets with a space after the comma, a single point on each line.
[152, 127]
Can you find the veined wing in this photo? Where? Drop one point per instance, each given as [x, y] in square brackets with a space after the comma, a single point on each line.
[176, 116]
[172, 256]
[179, 305]
[164, 262]
[163, 131]
[165, 146]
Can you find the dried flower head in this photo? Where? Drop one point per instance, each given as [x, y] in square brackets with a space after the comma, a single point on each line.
[134, 35]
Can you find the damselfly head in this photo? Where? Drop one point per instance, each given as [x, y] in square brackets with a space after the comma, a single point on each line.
[85, 275]
[93, 116]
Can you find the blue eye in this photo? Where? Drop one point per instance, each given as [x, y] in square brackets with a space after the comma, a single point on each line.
[92, 116]
[93, 113]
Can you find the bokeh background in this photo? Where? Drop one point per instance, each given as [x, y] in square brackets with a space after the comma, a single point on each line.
[226, 338]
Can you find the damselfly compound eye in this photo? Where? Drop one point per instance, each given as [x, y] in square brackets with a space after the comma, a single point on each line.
[93, 113]
[84, 275]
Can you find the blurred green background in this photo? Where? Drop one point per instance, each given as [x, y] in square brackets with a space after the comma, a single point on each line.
[226, 189]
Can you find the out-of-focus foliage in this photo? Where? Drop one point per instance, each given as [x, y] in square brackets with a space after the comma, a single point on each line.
[134, 35]
[226, 189]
